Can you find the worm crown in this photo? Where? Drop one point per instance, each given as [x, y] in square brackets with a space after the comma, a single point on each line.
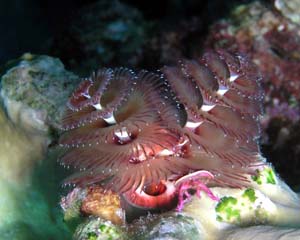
[129, 130]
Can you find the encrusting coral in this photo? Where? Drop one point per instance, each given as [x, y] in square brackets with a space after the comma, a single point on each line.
[145, 135]
[105, 204]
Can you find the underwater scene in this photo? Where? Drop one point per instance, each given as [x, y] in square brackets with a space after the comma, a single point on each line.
[145, 120]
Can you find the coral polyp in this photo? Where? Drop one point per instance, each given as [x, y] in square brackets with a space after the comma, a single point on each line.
[137, 132]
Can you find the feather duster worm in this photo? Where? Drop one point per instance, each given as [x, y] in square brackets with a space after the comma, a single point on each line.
[139, 133]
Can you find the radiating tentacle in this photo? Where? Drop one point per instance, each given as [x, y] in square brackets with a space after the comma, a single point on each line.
[90, 90]
[185, 88]
[218, 66]
[128, 131]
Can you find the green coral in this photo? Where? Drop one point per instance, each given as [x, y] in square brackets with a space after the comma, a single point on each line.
[227, 209]
[265, 176]
[92, 236]
[98, 229]
[245, 208]
[110, 231]
[250, 194]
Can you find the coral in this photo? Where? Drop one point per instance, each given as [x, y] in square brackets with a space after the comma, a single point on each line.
[226, 206]
[267, 175]
[289, 8]
[134, 132]
[98, 229]
[250, 205]
[18, 152]
[173, 226]
[267, 200]
[26, 211]
[28, 208]
[104, 204]
[33, 91]
[92, 201]
[237, 210]
[71, 203]
[271, 41]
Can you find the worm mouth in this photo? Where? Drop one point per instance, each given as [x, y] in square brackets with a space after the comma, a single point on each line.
[155, 189]
[154, 196]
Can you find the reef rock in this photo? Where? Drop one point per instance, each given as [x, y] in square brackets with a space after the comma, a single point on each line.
[289, 8]
[271, 40]
[103, 203]
[34, 90]
[98, 229]
[172, 225]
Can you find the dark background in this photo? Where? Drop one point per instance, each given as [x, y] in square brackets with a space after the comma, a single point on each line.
[31, 25]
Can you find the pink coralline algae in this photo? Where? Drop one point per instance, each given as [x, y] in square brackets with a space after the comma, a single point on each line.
[151, 136]
[270, 40]
[193, 181]
[281, 111]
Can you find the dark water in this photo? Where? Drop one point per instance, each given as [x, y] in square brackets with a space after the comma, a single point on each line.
[33, 25]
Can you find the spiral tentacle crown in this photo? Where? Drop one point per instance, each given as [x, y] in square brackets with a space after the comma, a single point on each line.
[132, 131]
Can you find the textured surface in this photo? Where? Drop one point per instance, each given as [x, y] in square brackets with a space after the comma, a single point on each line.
[34, 90]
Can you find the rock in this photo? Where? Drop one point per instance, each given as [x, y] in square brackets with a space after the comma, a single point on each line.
[98, 229]
[289, 8]
[171, 226]
[34, 92]
[71, 204]
[263, 232]
[103, 203]
[271, 40]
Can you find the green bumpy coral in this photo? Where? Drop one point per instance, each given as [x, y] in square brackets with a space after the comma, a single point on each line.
[250, 194]
[241, 209]
[227, 209]
[267, 175]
